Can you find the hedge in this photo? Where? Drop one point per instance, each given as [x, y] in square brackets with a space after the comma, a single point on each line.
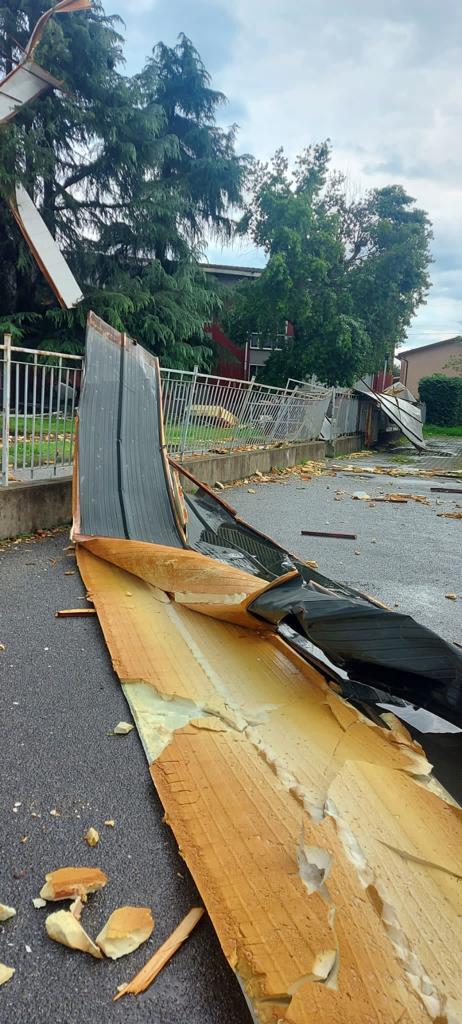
[443, 398]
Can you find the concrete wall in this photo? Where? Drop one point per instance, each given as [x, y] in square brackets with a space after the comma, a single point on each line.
[430, 359]
[238, 465]
[25, 508]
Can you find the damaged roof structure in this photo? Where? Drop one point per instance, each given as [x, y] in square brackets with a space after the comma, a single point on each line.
[327, 853]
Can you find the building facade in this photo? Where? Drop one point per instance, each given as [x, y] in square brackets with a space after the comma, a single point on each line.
[443, 357]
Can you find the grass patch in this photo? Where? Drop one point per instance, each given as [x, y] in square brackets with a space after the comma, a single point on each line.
[432, 430]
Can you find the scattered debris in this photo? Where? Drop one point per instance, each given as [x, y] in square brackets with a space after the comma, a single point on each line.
[92, 837]
[63, 927]
[6, 912]
[220, 486]
[122, 728]
[391, 499]
[312, 564]
[6, 973]
[125, 930]
[55, 813]
[69, 572]
[66, 613]
[357, 552]
[110, 823]
[251, 490]
[451, 597]
[449, 515]
[361, 496]
[149, 972]
[328, 533]
[455, 474]
[67, 883]
[38, 902]
[2, 647]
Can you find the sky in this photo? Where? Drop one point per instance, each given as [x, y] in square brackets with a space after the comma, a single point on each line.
[382, 80]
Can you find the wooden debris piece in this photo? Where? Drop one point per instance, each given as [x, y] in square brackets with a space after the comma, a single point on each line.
[449, 515]
[68, 613]
[149, 972]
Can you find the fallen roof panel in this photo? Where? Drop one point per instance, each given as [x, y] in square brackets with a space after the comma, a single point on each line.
[326, 853]
[404, 415]
[45, 250]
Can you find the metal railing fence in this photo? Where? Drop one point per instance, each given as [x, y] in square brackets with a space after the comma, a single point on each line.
[202, 412]
[39, 398]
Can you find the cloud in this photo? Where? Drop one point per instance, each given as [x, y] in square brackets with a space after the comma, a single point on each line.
[381, 79]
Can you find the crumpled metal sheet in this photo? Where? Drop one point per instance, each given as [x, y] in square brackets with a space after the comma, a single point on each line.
[404, 415]
[327, 855]
[122, 461]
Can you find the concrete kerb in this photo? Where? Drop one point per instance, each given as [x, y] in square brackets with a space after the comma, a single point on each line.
[41, 505]
[44, 504]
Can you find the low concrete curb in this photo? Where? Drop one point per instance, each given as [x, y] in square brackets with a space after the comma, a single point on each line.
[25, 508]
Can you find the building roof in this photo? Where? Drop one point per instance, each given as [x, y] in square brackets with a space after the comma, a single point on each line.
[433, 344]
[236, 271]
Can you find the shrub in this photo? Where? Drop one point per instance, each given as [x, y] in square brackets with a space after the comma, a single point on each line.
[443, 398]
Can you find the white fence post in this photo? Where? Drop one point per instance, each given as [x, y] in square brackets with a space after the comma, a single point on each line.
[188, 411]
[6, 407]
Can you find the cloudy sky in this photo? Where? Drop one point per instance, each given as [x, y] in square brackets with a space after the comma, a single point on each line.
[382, 79]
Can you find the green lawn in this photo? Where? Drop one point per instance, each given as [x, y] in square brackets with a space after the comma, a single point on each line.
[431, 430]
[57, 436]
[207, 433]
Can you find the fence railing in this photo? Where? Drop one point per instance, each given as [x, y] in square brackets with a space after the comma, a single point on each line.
[39, 398]
[202, 413]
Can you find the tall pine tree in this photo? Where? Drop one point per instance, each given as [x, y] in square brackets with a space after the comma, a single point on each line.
[129, 174]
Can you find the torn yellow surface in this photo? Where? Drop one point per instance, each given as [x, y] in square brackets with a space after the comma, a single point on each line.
[260, 764]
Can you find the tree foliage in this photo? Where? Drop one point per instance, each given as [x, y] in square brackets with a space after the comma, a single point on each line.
[129, 173]
[443, 398]
[347, 273]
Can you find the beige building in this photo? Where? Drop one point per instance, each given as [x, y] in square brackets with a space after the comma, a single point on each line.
[440, 357]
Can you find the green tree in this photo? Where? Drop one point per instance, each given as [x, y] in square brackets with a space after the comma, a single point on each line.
[348, 274]
[112, 164]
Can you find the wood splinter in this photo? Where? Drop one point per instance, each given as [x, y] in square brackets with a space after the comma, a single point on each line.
[152, 968]
[67, 613]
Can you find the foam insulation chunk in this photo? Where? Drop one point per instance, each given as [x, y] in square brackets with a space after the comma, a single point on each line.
[6, 912]
[67, 883]
[5, 973]
[125, 930]
[63, 927]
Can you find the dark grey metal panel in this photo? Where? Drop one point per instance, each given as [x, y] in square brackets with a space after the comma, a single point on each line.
[405, 415]
[100, 508]
[123, 488]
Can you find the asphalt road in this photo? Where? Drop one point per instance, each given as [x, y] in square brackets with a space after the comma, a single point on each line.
[60, 699]
[408, 556]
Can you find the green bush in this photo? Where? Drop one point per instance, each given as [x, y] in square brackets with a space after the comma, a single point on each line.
[443, 398]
